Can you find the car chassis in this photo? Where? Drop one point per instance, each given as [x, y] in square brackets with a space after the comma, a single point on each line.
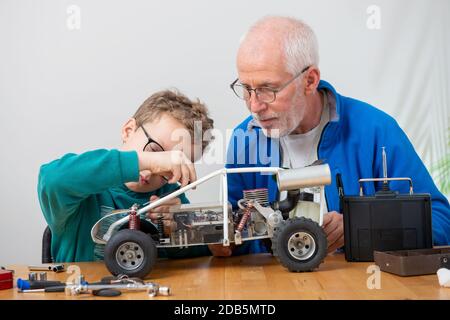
[293, 225]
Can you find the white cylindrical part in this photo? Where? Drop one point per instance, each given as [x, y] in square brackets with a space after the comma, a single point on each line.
[444, 277]
[313, 176]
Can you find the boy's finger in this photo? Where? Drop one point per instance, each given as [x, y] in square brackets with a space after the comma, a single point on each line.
[170, 202]
[185, 175]
[161, 209]
[192, 173]
[156, 215]
[168, 226]
[176, 174]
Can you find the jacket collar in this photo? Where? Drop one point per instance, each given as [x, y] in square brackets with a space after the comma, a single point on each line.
[335, 115]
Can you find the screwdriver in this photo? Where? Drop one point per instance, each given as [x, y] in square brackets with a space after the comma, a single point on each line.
[37, 284]
[48, 289]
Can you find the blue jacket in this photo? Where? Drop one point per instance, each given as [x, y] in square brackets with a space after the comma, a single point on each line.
[351, 144]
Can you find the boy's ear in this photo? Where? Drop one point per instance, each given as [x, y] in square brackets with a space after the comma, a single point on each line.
[128, 129]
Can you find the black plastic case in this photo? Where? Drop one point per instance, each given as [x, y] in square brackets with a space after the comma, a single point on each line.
[386, 223]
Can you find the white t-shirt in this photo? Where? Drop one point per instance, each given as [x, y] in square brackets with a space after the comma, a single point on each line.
[300, 150]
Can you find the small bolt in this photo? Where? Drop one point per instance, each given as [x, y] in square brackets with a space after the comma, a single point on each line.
[32, 276]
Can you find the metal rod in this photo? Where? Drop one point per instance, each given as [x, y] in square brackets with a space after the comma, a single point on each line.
[384, 163]
[153, 289]
[181, 191]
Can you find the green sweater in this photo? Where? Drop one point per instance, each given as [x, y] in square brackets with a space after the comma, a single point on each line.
[72, 191]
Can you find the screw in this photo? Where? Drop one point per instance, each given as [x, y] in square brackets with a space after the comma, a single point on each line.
[32, 276]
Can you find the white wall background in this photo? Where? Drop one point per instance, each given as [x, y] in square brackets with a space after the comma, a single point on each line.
[64, 90]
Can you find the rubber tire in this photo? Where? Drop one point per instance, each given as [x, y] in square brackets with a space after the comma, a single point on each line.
[281, 237]
[143, 240]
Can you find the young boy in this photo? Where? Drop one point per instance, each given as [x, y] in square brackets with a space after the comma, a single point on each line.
[74, 190]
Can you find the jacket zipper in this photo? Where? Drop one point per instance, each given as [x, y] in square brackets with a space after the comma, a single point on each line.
[318, 158]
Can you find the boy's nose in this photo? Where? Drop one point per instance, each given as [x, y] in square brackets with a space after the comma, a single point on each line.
[145, 174]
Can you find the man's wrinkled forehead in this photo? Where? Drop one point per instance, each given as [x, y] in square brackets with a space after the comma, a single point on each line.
[260, 53]
[262, 69]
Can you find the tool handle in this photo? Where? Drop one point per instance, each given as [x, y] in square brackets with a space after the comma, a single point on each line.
[42, 284]
[38, 284]
[55, 289]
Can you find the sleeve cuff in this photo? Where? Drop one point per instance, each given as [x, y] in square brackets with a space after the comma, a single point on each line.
[129, 166]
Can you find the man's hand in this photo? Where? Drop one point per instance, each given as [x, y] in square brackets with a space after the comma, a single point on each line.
[163, 211]
[333, 225]
[219, 250]
[171, 164]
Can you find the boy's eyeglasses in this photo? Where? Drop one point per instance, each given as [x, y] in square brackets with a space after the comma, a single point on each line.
[151, 145]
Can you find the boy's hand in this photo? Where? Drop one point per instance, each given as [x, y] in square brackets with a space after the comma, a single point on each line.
[333, 225]
[171, 164]
[163, 211]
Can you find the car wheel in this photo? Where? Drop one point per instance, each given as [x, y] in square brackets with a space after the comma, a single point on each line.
[130, 252]
[300, 244]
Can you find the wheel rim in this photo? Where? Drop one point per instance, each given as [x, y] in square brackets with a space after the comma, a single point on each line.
[301, 246]
[129, 256]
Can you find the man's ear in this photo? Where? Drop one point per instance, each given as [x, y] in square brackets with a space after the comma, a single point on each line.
[128, 129]
[312, 79]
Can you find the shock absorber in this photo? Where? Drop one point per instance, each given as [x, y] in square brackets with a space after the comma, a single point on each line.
[245, 216]
[134, 221]
[160, 226]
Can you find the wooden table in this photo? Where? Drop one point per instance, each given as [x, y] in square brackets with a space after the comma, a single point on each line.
[257, 276]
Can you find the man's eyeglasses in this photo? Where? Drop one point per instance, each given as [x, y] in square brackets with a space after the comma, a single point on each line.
[151, 145]
[263, 94]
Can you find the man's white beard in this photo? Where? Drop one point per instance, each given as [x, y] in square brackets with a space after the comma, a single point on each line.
[272, 133]
[287, 127]
[296, 116]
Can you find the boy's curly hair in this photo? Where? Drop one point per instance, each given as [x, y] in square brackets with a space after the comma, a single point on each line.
[180, 107]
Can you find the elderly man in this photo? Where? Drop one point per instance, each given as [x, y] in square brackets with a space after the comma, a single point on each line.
[297, 118]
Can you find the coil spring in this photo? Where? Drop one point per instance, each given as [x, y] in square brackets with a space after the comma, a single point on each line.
[160, 226]
[134, 221]
[245, 216]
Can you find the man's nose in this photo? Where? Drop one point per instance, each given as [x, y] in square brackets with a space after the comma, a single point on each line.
[254, 105]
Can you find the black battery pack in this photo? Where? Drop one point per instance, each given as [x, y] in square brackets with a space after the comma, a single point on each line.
[386, 221]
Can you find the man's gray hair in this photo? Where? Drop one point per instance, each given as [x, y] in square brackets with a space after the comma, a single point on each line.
[301, 48]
